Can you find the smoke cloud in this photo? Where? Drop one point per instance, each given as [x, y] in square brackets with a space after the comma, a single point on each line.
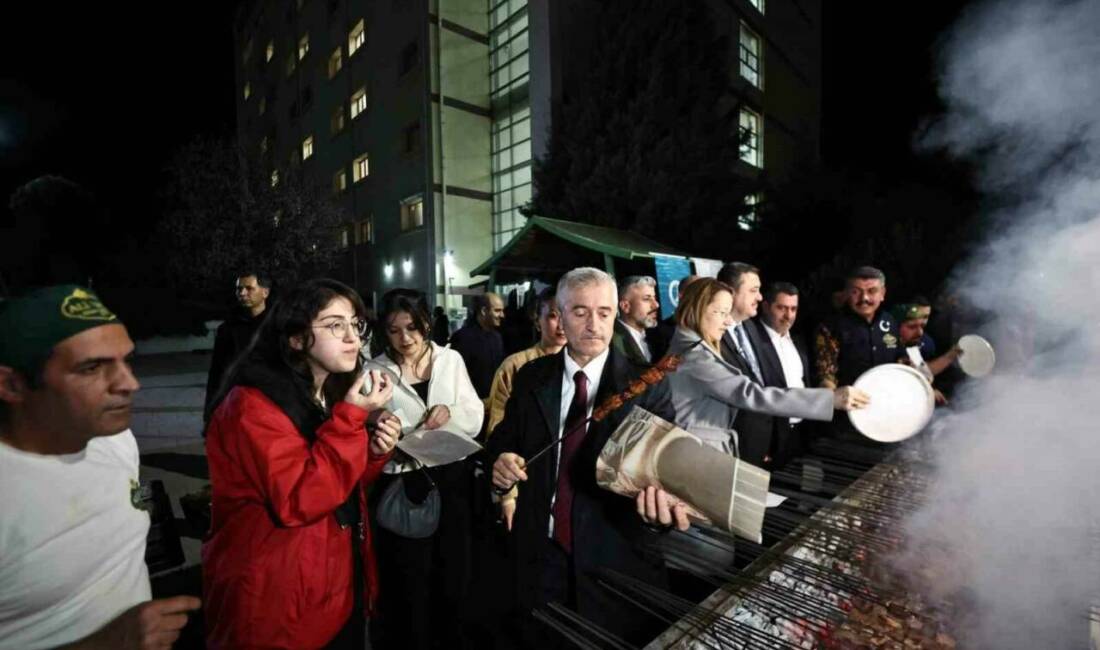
[1014, 507]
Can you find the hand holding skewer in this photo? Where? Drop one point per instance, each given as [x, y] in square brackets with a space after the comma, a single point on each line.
[508, 470]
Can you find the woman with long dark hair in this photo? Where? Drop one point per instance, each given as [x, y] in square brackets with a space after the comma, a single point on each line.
[288, 562]
[424, 582]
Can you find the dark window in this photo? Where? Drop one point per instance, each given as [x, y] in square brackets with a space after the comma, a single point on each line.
[410, 57]
[411, 138]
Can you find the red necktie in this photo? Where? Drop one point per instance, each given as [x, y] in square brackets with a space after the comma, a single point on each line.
[563, 503]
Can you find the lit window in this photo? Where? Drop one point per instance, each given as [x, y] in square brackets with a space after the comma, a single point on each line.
[412, 213]
[356, 37]
[336, 124]
[360, 169]
[759, 4]
[345, 237]
[307, 148]
[303, 46]
[749, 219]
[751, 152]
[335, 62]
[263, 105]
[358, 102]
[274, 182]
[749, 55]
[365, 231]
[269, 53]
[340, 181]
[247, 90]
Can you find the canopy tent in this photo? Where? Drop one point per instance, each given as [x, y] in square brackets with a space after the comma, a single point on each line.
[546, 248]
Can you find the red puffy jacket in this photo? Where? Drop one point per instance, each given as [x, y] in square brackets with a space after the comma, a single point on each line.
[277, 567]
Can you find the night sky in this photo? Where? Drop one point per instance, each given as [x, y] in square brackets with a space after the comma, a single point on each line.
[103, 95]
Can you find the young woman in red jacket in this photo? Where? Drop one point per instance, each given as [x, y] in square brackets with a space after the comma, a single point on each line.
[288, 561]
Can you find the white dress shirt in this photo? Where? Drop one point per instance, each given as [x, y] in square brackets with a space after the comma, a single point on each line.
[789, 358]
[593, 371]
[639, 338]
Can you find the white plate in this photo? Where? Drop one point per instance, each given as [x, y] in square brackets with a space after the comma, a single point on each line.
[977, 359]
[901, 403]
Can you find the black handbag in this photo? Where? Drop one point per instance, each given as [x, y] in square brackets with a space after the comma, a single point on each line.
[400, 515]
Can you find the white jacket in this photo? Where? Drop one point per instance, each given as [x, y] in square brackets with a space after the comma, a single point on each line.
[449, 385]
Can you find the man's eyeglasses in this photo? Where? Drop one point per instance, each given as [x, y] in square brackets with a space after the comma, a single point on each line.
[340, 328]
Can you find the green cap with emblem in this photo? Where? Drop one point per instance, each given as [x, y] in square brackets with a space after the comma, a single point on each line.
[31, 325]
[910, 311]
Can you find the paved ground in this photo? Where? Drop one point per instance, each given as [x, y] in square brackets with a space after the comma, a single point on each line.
[167, 423]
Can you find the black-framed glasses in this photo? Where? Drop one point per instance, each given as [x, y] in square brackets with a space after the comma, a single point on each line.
[340, 328]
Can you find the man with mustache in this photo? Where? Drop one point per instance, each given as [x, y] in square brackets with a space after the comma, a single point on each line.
[72, 525]
[856, 339]
[639, 311]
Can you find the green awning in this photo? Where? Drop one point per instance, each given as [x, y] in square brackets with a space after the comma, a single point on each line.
[545, 248]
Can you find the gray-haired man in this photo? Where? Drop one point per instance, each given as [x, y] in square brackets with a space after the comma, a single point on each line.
[565, 527]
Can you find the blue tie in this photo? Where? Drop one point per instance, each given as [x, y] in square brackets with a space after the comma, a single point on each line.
[745, 348]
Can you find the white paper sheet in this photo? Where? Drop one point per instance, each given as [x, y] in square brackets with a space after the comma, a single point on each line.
[434, 447]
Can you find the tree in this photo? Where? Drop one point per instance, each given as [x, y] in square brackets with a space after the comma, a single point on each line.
[224, 214]
[59, 234]
[650, 138]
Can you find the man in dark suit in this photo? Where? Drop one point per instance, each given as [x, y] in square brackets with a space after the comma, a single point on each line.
[639, 311]
[563, 526]
[784, 362]
[740, 346]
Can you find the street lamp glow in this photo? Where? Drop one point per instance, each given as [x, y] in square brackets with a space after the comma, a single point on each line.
[407, 266]
[387, 270]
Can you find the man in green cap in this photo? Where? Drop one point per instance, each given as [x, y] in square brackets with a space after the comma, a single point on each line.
[917, 348]
[72, 533]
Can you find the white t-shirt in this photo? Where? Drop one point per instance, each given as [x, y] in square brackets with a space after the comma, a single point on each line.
[72, 544]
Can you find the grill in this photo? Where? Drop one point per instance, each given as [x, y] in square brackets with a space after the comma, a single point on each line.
[819, 579]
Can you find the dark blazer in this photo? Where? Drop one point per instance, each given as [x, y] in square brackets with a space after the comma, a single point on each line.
[608, 533]
[230, 340]
[754, 430]
[624, 344]
[784, 442]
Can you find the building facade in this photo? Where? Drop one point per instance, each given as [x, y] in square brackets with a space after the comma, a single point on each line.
[424, 116]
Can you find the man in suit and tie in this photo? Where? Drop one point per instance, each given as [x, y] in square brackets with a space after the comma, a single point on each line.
[784, 362]
[639, 311]
[563, 526]
[740, 348]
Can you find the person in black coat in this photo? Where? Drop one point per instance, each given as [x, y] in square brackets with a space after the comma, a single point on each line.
[741, 350]
[784, 362]
[553, 551]
[234, 335]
